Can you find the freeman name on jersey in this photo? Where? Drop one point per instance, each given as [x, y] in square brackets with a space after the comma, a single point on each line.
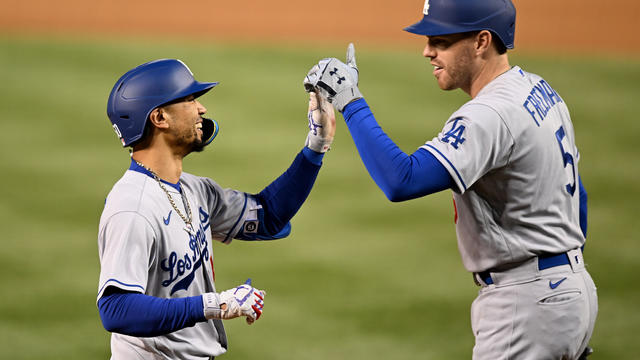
[540, 100]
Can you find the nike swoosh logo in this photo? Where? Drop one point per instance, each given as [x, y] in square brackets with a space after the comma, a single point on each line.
[166, 221]
[554, 285]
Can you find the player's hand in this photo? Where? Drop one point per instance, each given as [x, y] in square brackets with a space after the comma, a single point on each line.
[243, 300]
[334, 80]
[322, 123]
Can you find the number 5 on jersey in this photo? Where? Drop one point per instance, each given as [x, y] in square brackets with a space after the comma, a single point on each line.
[567, 159]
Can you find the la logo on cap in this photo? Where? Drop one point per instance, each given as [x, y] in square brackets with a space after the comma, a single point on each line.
[426, 7]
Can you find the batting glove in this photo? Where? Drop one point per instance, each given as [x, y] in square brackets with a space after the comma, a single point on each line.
[243, 300]
[322, 124]
[335, 80]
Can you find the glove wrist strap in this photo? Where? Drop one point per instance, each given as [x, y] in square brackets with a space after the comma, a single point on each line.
[318, 143]
[344, 98]
[211, 304]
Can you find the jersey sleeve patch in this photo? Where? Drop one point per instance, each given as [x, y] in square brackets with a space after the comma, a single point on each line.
[472, 142]
[455, 135]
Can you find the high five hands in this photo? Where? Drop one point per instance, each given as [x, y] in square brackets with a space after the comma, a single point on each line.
[334, 80]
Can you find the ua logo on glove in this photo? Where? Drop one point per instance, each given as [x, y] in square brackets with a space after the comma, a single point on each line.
[334, 80]
[335, 72]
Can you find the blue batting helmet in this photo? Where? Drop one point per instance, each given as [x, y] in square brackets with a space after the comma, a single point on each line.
[442, 17]
[147, 87]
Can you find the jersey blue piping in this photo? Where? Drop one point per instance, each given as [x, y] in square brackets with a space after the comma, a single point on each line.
[450, 164]
[237, 221]
[119, 282]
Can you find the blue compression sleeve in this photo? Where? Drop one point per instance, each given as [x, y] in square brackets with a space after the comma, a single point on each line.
[142, 315]
[285, 195]
[314, 157]
[400, 176]
[583, 208]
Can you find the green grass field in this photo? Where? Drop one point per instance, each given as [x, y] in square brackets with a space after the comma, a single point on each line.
[360, 277]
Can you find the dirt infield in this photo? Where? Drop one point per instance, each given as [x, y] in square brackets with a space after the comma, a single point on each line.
[587, 26]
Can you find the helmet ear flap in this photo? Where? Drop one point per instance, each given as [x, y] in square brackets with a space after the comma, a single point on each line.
[209, 130]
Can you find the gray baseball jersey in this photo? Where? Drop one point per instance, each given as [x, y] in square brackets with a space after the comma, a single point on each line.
[144, 246]
[512, 155]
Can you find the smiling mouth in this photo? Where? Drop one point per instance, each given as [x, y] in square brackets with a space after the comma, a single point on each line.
[437, 70]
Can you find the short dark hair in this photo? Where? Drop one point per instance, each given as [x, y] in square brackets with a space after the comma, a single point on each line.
[498, 44]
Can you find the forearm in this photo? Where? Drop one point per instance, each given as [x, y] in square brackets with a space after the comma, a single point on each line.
[400, 176]
[141, 315]
[282, 199]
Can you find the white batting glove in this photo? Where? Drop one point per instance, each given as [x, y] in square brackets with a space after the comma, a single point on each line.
[322, 124]
[243, 300]
[334, 80]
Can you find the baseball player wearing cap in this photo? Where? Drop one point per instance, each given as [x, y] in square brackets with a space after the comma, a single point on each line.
[156, 292]
[509, 155]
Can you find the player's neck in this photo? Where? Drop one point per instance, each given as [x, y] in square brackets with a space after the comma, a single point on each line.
[166, 165]
[489, 70]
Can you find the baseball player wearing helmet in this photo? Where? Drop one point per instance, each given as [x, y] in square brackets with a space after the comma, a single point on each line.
[156, 292]
[509, 155]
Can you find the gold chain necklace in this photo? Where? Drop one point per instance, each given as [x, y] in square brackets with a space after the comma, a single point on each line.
[188, 220]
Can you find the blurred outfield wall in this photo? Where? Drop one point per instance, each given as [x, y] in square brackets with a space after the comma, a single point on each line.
[557, 26]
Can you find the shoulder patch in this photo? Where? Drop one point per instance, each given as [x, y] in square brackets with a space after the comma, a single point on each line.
[250, 227]
[454, 135]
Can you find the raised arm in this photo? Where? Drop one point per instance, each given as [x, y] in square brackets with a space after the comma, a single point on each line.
[282, 199]
[400, 176]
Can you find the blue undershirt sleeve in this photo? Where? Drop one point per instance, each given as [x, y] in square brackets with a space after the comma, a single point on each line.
[400, 176]
[282, 199]
[313, 157]
[142, 315]
[583, 208]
